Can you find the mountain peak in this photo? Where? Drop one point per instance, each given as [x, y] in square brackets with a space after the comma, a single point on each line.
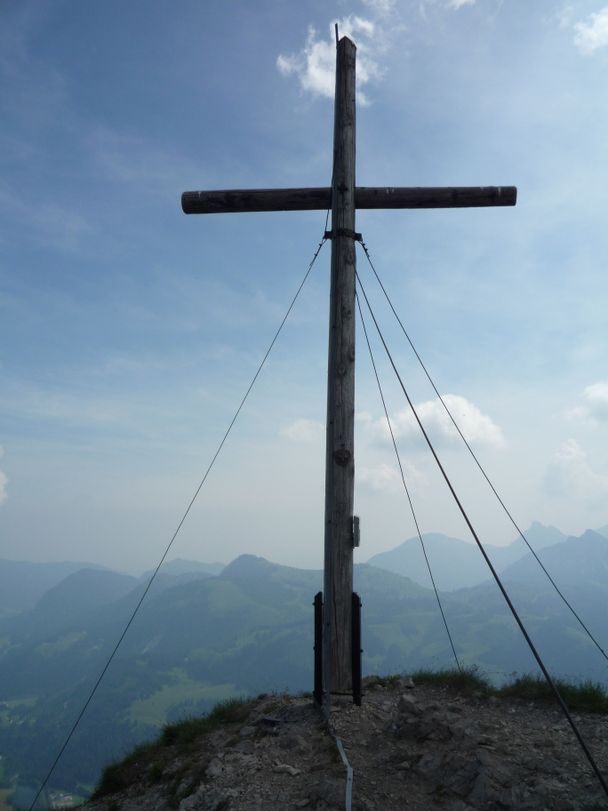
[592, 536]
[247, 566]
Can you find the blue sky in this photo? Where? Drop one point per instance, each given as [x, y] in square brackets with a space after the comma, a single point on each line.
[129, 331]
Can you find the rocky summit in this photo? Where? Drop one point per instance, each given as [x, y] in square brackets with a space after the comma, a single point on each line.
[415, 747]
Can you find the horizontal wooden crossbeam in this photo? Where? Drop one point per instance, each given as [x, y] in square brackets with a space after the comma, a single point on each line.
[235, 200]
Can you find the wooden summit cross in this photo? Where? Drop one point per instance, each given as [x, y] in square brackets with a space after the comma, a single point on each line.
[344, 198]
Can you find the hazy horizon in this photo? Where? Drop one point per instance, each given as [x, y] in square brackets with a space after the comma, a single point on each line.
[138, 572]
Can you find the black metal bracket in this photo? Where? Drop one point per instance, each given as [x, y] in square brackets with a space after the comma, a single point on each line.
[318, 688]
[356, 532]
[356, 649]
[343, 232]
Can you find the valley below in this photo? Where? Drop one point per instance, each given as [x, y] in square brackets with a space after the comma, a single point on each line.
[207, 634]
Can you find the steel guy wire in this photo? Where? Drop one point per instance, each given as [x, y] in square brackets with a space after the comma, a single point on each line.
[495, 575]
[405, 487]
[179, 526]
[478, 463]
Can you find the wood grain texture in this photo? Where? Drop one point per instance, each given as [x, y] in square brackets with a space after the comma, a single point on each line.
[232, 201]
[435, 197]
[339, 460]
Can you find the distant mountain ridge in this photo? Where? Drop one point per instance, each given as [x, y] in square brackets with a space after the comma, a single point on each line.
[201, 638]
[180, 566]
[23, 583]
[457, 564]
[575, 561]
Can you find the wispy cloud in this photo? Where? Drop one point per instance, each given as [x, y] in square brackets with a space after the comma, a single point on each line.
[304, 431]
[595, 403]
[570, 474]
[380, 7]
[478, 428]
[386, 478]
[424, 5]
[592, 34]
[564, 16]
[460, 3]
[314, 65]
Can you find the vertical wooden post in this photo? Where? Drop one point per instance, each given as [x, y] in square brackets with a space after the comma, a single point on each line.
[339, 460]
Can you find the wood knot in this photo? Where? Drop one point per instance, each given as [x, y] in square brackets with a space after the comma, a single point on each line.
[342, 457]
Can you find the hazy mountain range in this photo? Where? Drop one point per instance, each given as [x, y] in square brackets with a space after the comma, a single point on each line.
[202, 636]
[22, 584]
[457, 564]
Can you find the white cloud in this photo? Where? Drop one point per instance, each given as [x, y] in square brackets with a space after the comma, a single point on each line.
[478, 428]
[596, 403]
[592, 34]
[564, 16]
[570, 475]
[314, 65]
[596, 396]
[386, 478]
[380, 7]
[423, 5]
[380, 477]
[460, 3]
[304, 431]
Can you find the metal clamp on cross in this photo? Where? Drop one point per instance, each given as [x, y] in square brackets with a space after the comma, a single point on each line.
[340, 670]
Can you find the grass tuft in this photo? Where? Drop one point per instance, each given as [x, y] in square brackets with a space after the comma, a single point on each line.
[115, 776]
[148, 761]
[588, 696]
[468, 680]
[182, 733]
[119, 775]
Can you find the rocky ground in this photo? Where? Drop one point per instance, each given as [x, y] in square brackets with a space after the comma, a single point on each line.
[411, 747]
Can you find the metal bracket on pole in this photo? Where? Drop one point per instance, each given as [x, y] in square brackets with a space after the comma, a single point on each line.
[343, 232]
[356, 532]
[356, 649]
[318, 666]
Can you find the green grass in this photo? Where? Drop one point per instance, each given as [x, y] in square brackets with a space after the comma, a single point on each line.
[60, 645]
[182, 733]
[150, 759]
[21, 702]
[587, 696]
[153, 710]
[468, 680]
[116, 776]
[4, 793]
